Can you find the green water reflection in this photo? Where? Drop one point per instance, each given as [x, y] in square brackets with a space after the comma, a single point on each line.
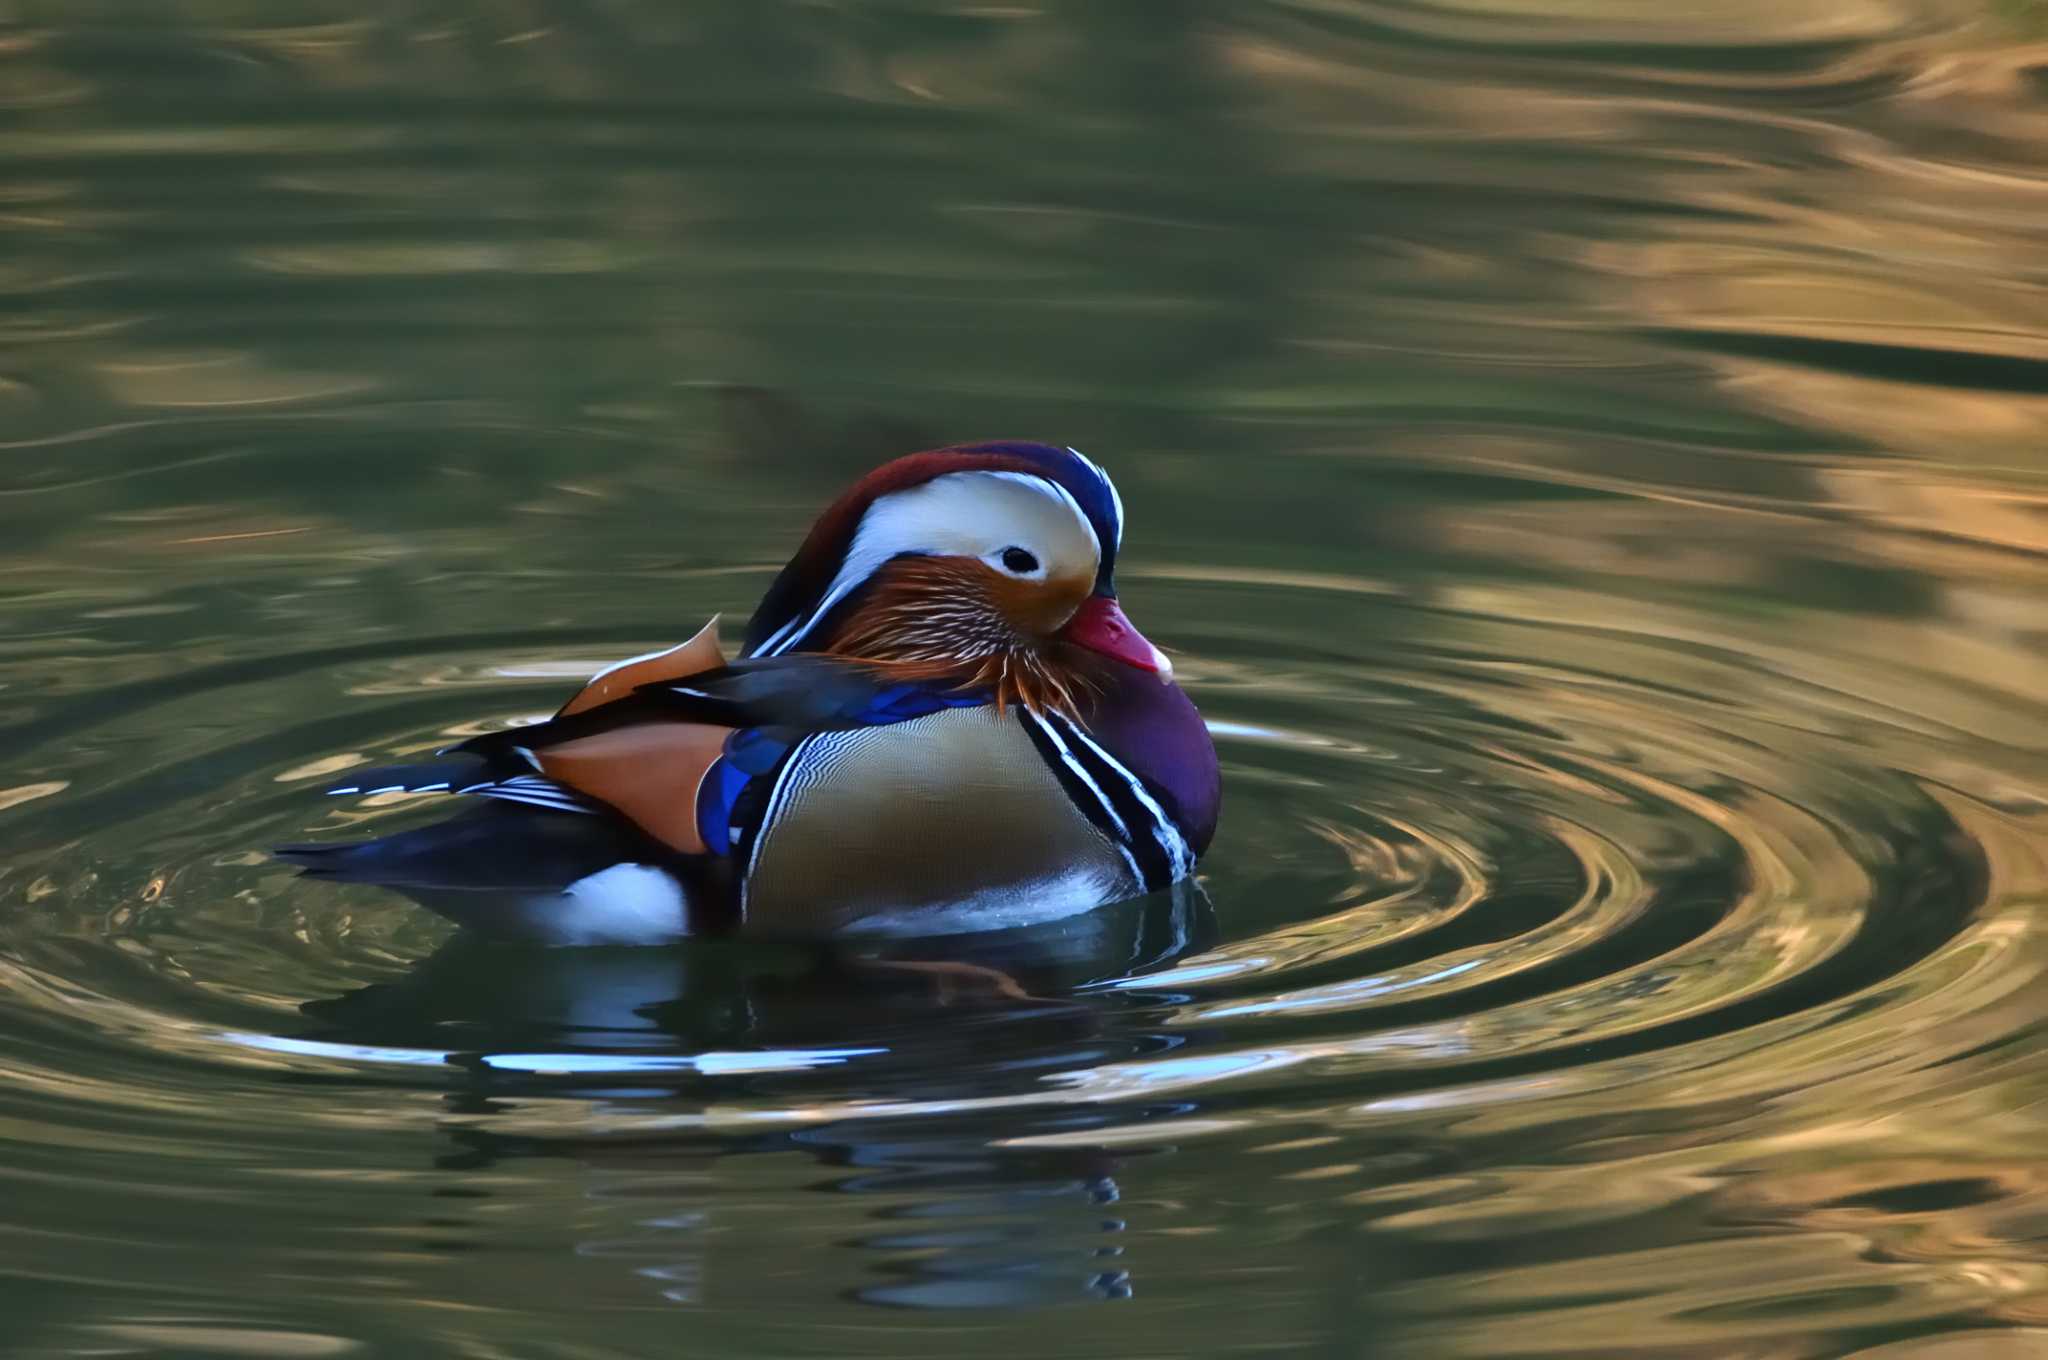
[1585, 458]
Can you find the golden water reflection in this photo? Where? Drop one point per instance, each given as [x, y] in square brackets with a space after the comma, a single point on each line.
[1585, 459]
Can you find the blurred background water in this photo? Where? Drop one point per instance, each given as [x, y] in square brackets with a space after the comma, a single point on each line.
[1586, 458]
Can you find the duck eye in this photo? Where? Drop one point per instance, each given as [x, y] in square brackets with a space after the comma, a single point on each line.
[1020, 561]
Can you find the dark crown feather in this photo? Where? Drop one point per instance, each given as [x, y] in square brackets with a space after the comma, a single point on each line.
[801, 585]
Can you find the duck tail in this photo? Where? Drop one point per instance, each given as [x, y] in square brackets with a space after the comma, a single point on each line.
[346, 863]
[455, 774]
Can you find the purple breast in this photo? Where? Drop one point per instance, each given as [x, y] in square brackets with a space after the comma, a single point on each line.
[1154, 730]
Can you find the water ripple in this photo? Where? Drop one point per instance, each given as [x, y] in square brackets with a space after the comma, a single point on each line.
[1584, 460]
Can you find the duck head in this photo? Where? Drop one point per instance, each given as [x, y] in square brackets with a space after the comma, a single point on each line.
[983, 565]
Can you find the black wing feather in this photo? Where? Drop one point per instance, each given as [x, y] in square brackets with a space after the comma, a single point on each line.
[495, 847]
[798, 694]
[456, 774]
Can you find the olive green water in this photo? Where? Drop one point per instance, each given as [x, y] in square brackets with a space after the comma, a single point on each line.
[1587, 460]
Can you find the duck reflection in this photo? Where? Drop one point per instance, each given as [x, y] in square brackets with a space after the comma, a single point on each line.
[897, 1063]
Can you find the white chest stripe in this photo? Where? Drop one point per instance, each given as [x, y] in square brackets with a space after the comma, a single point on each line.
[1081, 773]
[1123, 836]
[777, 796]
[1168, 835]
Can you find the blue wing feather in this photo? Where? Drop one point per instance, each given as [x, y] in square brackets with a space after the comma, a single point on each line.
[771, 705]
[758, 752]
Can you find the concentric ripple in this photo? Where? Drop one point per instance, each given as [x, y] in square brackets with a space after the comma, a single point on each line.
[1481, 887]
[1584, 457]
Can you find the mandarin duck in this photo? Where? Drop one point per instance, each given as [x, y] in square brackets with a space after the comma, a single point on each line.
[940, 720]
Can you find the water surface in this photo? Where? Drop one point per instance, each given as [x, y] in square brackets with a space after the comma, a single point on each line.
[1585, 459]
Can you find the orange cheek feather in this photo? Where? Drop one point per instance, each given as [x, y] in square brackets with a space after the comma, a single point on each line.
[958, 621]
[1037, 608]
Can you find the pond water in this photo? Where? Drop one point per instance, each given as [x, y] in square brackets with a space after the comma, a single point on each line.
[1585, 458]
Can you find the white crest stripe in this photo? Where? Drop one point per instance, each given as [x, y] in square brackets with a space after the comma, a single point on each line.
[1115, 499]
[940, 517]
[1046, 486]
